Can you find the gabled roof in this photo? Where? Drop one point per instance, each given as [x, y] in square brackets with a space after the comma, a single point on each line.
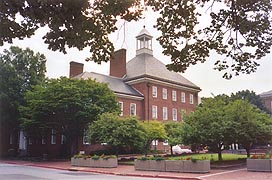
[266, 94]
[145, 65]
[115, 84]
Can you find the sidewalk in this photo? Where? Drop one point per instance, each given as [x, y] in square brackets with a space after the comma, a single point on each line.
[121, 170]
[125, 170]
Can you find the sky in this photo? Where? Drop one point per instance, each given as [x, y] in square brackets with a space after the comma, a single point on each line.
[203, 75]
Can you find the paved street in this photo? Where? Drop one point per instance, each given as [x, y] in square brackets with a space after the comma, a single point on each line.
[48, 170]
[18, 172]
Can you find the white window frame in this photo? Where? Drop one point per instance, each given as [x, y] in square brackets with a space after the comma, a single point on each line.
[154, 91]
[174, 114]
[154, 112]
[164, 113]
[63, 139]
[183, 97]
[165, 142]
[121, 104]
[155, 142]
[174, 95]
[135, 109]
[43, 140]
[53, 136]
[191, 99]
[164, 93]
[85, 137]
[29, 140]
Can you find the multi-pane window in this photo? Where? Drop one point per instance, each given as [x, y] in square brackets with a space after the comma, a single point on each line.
[29, 140]
[174, 95]
[164, 93]
[53, 136]
[63, 139]
[164, 113]
[183, 97]
[121, 104]
[174, 114]
[85, 138]
[133, 109]
[154, 91]
[154, 112]
[191, 99]
[155, 142]
[43, 140]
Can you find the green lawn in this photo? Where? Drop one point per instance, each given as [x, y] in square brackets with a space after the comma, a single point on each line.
[212, 157]
[227, 158]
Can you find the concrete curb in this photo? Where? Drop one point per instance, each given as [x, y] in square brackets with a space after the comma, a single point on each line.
[103, 172]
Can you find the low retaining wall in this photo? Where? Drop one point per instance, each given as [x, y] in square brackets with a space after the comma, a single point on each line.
[173, 166]
[263, 165]
[88, 162]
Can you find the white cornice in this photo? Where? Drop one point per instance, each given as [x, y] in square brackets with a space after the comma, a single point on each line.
[128, 96]
[147, 79]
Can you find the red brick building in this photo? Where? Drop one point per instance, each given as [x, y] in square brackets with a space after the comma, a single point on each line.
[267, 98]
[144, 86]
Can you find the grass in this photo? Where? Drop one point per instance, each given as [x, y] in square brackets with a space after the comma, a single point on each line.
[227, 158]
[213, 157]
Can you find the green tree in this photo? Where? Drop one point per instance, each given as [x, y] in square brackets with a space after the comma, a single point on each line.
[209, 126]
[251, 125]
[20, 69]
[119, 132]
[174, 133]
[251, 97]
[239, 31]
[154, 131]
[67, 105]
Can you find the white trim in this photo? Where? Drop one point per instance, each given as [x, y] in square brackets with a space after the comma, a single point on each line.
[174, 95]
[165, 112]
[145, 79]
[154, 112]
[128, 96]
[53, 136]
[164, 93]
[191, 100]
[183, 97]
[154, 91]
[131, 104]
[175, 112]
[121, 104]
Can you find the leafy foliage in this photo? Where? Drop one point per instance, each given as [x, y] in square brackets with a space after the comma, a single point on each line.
[251, 97]
[208, 125]
[174, 133]
[239, 31]
[219, 122]
[118, 132]
[20, 69]
[251, 124]
[67, 105]
[154, 131]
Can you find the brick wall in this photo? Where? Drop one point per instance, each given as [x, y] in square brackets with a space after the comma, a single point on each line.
[118, 63]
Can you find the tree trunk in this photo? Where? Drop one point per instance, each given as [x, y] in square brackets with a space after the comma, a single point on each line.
[248, 151]
[219, 155]
[171, 147]
[74, 146]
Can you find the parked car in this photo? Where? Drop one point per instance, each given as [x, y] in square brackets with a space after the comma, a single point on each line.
[177, 150]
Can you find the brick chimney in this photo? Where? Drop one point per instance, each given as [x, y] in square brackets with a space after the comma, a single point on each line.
[118, 63]
[75, 68]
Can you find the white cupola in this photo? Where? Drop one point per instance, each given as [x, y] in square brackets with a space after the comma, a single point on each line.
[144, 43]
